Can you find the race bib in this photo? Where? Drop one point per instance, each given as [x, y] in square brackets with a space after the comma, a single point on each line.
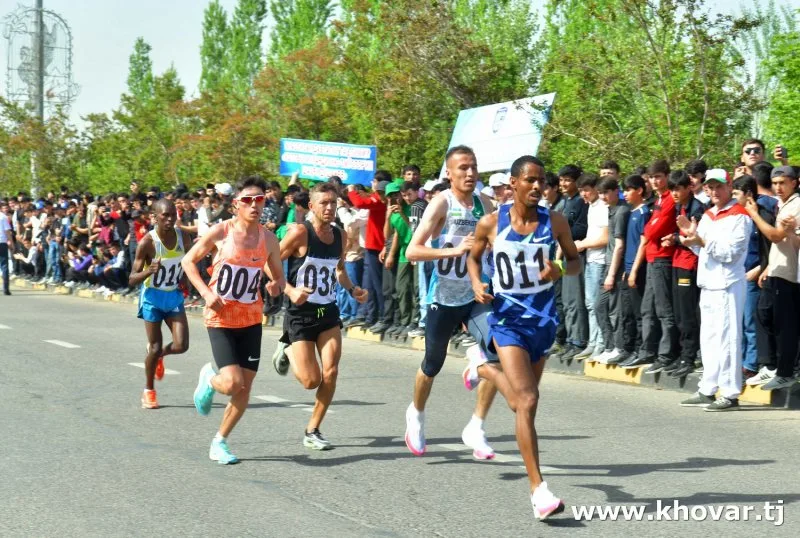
[319, 274]
[238, 283]
[453, 268]
[518, 267]
[168, 275]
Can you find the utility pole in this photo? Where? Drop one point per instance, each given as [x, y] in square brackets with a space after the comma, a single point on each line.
[39, 101]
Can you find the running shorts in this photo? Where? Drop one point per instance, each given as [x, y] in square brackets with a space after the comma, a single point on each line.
[440, 324]
[307, 325]
[236, 346]
[157, 305]
[535, 340]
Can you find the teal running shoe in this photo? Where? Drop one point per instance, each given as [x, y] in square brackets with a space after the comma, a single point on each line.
[220, 453]
[204, 393]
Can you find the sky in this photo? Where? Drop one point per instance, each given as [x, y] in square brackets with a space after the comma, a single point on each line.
[104, 32]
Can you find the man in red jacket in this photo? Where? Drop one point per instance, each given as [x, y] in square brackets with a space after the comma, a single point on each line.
[373, 242]
[659, 333]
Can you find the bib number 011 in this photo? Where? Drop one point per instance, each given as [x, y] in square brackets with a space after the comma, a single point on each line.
[506, 272]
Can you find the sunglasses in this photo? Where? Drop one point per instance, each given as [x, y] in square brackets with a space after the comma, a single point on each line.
[247, 200]
[751, 151]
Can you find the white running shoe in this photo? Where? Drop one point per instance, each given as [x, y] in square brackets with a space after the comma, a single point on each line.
[415, 430]
[763, 375]
[476, 357]
[475, 438]
[545, 504]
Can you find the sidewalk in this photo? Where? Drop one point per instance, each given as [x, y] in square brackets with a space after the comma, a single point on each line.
[784, 398]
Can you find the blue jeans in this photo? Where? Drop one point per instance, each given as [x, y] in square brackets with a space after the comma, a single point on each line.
[53, 260]
[593, 280]
[349, 307]
[749, 350]
[4, 264]
[373, 283]
[423, 277]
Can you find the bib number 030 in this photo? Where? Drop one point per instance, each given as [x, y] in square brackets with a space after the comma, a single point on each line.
[321, 280]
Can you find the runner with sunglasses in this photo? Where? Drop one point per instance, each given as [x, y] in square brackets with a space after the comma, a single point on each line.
[158, 267]
[233, 299]
[315, 252]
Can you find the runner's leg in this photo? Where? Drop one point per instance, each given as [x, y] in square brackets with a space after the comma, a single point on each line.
[154, 350]
[305, 365]
[179, 326]
[236, 382]
[329, 345]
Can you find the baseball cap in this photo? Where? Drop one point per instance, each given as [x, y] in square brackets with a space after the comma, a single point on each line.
[499, 179]
[487, 191]
[430, 184]
[392, 188]
[382, 186]
[224, 189]
[784, 171]
[717, 174]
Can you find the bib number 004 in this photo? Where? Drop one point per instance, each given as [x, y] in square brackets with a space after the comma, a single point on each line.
[239, 284]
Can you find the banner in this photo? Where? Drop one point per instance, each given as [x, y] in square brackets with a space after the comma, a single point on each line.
[320, 160]
[501, 133]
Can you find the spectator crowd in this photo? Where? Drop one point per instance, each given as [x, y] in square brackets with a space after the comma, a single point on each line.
[637, 302]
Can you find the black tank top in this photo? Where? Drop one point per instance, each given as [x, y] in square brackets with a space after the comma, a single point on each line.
[316, 270]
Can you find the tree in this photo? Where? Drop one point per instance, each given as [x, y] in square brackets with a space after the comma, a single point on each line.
[245, 57]
[140, 71]
[213, 50]
[298, 24]
[784, 66]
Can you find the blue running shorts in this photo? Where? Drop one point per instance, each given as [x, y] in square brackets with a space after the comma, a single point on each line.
[157, 305]
[533, 340]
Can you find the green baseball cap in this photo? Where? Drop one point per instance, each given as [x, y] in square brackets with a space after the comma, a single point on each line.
[392, 188]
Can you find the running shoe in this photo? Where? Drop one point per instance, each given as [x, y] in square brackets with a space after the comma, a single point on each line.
[778, 382]
[415, 430]
[475, 438]
[763, 375]
[476, 357]
[698, 399]
[220, 452]
[587, 352]
[723, 404]
[149, 399]
[545, 504]
[280, 360]
[418, 332]
[204, 393]
[315, 441]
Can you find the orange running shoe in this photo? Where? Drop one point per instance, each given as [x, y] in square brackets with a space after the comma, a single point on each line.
[160, 369]
[149, 399]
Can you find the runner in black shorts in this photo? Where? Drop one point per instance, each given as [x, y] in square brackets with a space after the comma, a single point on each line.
[316, 263]
[236, 347]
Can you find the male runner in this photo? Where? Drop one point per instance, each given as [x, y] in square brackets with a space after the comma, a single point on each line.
[233, 305]
[158, 265]
[523, 237]
[315, 252]
[449, 222]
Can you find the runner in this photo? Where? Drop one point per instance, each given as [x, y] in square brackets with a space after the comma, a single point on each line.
[315, 252]
[233, 306]
[523, 321]
[449, 222]
[158, 266]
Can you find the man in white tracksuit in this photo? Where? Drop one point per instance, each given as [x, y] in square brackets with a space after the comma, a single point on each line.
[720, 240]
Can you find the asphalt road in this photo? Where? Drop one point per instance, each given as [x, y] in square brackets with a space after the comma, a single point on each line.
[80, 456]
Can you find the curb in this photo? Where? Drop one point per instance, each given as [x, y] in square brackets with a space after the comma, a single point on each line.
[783, 398]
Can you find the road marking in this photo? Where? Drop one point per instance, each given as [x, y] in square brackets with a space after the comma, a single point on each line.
[4, 326]
[504, 458]
[62, 344]
[166, 370]
[288, 403]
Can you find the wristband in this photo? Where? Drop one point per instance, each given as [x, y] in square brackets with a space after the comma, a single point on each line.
[560, 265]
[350, 291]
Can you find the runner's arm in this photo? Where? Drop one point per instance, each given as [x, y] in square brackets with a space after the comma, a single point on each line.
[197, 253]
[564, 238]
[475, 257]
[144, 256]
[274, 267]
[432, 219]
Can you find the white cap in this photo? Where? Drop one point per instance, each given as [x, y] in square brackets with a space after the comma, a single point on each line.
[430, 184]
[488, 191]
[224, 189]
[499, 179]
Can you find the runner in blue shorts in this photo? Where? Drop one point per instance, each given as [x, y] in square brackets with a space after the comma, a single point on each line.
[522, 325]
[158, 268]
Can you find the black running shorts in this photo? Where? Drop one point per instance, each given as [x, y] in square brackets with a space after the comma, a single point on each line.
[307, 325]
[236, 346]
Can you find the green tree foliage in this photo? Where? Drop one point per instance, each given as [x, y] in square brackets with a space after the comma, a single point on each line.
[140, 72]
[784, 66]
[245, 56]
[213, 50]
[298, 24]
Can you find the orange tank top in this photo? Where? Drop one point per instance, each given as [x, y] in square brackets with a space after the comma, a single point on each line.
[236, 278]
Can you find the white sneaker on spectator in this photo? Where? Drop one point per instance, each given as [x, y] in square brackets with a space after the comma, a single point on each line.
[763, 375]
[69, 283]
[101, 289]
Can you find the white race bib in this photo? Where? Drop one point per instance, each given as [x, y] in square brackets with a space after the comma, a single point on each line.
[168, 275]
[238, 283]
[452, 268]
[518, 267]
[319, 274]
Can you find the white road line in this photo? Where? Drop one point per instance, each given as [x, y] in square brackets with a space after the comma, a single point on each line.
[503, 458]
[4, 326]
[287, 403]
[62, 344]
[166, 370]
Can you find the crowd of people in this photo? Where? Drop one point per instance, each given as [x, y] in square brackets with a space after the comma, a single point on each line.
[669, 270]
